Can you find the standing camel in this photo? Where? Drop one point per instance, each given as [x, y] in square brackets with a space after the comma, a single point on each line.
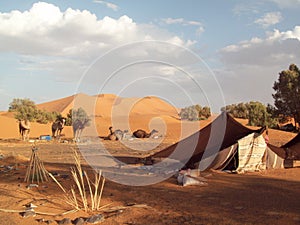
[77, 130]
[24, 129]
[143, 134]
[78, 127]
[57, 127]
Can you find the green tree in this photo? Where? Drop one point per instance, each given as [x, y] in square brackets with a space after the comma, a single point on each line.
[24, 109]
[189, 113]
[69, 118]
[81, 115]
[80, 120]
[205, 112]
[257, 114]
[287, 93]
[239, 110]
[194, 112]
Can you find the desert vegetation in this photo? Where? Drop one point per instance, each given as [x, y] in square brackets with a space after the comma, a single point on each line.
[286, 101]
[195, 112]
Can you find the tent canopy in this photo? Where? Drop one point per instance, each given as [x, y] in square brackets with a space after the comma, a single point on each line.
[292, 148]
[222, 133]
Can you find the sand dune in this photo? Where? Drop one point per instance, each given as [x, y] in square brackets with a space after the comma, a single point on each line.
[122, 113]
[106, 110]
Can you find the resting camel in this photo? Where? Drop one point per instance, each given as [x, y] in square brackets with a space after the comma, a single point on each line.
[143, 134]
[120, 134]
[24, 129]
[112, 135]
[57, 127]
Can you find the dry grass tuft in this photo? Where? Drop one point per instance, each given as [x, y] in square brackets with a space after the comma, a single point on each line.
[84, 195]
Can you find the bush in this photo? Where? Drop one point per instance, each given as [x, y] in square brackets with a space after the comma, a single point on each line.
[195, 112]
[25, 109]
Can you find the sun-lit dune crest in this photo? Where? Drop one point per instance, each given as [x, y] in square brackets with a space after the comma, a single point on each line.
[60, 105]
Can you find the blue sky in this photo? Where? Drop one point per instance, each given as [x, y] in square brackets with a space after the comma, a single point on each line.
[186, 52]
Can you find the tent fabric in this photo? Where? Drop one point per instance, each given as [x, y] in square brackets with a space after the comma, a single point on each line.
[292, 148]
[278, 151]
[273, 160]
[251, 150]
[222, 133]
[222, 158]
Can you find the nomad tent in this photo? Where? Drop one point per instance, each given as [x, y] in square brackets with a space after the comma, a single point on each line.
[289, 153]
[223, 144]
[292, 148]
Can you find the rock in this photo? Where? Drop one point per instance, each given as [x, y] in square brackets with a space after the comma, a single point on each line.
[49, 221]
[78, 221]
[30, 205]
[28, 214]
[98, 218]
[40, 220]
[65, 221]
[31, 186]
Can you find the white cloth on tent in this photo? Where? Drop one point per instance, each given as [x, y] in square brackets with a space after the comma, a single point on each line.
[251, 150]
[273, 161]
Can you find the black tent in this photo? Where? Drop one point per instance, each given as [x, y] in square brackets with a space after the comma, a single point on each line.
[222, 133]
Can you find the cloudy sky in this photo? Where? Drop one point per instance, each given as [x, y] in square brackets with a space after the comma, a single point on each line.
[186, 52]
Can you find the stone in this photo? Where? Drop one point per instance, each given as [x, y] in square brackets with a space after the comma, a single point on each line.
[98, 218]
[65, 221]
[28, 214]
[78, 221]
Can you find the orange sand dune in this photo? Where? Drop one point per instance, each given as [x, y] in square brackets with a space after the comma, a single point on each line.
[62, 105]
[107, 110]
[122, 113]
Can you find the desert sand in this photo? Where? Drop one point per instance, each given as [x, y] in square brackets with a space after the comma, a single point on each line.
[266, 197]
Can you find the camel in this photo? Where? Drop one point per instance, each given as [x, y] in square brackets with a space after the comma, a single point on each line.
[78, 127]
[120, 134]
[24, 129]
[57, 127]
[112, 135]
[143, 134]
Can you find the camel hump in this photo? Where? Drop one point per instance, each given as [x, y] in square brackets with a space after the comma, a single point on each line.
[25, 124]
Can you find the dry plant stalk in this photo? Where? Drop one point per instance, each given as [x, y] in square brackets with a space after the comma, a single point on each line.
[36, 170]
[78, 197]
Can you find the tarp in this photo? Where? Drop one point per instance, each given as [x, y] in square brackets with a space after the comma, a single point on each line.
[205, 144]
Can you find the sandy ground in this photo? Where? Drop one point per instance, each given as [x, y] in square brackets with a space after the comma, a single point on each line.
[267, 197]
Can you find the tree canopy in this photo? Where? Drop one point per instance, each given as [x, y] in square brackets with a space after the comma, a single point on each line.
[195, 112]
[25, 109]
[287, 93]
[81, 116]
[257, 113]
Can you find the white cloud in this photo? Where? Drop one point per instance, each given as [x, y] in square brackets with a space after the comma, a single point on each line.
[269, 19]
[256, 63]
[181, 21]
[46, 30]
[249, 7]
[108, 5]
[286, 3]
[173, 21]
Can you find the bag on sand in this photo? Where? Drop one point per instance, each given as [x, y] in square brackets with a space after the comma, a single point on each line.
[188, 181]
